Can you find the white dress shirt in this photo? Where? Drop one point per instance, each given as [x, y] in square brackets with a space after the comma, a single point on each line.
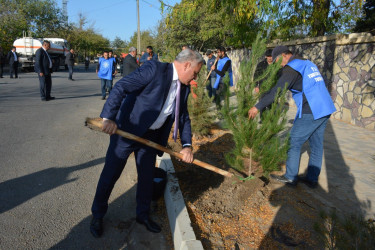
[15, 56]
[50, 62]
[168, 105]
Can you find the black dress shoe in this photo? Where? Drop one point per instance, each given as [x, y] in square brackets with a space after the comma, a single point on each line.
[283, 179]
[150, 225]
[310, 184]
[96, 227]
[50, 98]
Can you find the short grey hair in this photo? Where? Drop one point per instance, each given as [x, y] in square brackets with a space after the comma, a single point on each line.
[131, 49]
[188, 55]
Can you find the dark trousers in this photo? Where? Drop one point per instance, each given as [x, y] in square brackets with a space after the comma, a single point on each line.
[70, 67]
[13, 69]
[45, 86]
[105, 85]
[1, 69]
[116, 158]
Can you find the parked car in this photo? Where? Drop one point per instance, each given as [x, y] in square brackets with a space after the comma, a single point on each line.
[96, 59]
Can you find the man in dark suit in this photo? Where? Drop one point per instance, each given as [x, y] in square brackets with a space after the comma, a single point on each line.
[13, 62]
[43, 67]
[145, 103]
[130, 62]
[2, 61]
[69, 61]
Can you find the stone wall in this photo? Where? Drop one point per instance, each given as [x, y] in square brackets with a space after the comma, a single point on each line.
[347, 63]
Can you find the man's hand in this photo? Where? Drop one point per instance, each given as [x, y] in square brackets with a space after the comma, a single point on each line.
[252, 112]
[187, 155]
[41, 74]
[109, 126]
[213, 67]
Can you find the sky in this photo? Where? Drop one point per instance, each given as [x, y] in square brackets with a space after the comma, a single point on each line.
[113, 18]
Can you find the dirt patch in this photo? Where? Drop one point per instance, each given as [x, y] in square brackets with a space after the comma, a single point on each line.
[233, 214]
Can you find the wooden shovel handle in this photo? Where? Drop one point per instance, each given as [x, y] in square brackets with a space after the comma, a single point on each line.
[151, 144]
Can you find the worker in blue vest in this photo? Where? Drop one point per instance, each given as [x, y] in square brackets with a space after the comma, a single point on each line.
[314, 107]
[223, 65]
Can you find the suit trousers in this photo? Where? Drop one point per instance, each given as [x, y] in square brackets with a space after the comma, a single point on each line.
[1, 69]
[13, 69]
[116, 158]
[45, 86]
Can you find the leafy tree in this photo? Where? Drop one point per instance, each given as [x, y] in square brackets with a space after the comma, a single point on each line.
[253, 141]
[146, 40]
[367, 22]
[40, 17]
[118, 43]
[295, 19]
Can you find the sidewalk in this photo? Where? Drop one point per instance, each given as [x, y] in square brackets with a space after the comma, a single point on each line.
[347, 179]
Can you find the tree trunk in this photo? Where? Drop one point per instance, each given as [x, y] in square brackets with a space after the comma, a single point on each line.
[320, 17]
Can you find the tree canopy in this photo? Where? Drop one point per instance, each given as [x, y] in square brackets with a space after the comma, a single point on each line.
[40, 17]
[208, 23]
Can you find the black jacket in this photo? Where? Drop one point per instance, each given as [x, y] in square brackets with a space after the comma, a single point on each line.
[130, 64]
[42, 62]
[11, 58]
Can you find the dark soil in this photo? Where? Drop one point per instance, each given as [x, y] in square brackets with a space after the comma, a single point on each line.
[228, 213]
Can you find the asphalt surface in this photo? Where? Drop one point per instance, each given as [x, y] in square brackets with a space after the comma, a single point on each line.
[50, 165]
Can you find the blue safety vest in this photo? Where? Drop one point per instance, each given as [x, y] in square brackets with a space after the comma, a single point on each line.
[314, 88]
[220, 66]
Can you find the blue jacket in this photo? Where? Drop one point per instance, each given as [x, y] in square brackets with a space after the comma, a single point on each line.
[146, 55]
[314, 88]
[136, 101]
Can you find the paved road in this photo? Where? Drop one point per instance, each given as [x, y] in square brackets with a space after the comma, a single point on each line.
[50, 165]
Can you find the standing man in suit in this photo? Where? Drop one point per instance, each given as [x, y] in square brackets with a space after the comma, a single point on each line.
[43, 67]
[69, 60]
[130, 62]
[2, 61]
[13, 62]
[145, 103]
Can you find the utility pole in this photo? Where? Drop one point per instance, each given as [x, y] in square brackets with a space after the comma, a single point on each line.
[139, 32]
[65, 11]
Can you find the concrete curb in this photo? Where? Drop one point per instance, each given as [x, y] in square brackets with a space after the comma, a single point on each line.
[179, 221]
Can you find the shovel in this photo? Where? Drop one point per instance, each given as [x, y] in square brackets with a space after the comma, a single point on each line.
[98, 124]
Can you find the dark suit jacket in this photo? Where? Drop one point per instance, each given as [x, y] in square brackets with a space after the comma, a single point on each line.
[69, 59]
[11, 58]
[136, 101]
[129, 65]
[42, 62]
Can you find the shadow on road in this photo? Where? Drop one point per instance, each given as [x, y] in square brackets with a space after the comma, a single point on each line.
[19, 190]
[300, 207]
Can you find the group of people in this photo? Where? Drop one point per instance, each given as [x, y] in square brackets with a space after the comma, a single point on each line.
[152, 97]
[107, 66]
[148, 102]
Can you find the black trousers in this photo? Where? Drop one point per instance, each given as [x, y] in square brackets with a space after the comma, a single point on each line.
[45, 86]
[116, 158]
[1, 69]
[13, 69]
